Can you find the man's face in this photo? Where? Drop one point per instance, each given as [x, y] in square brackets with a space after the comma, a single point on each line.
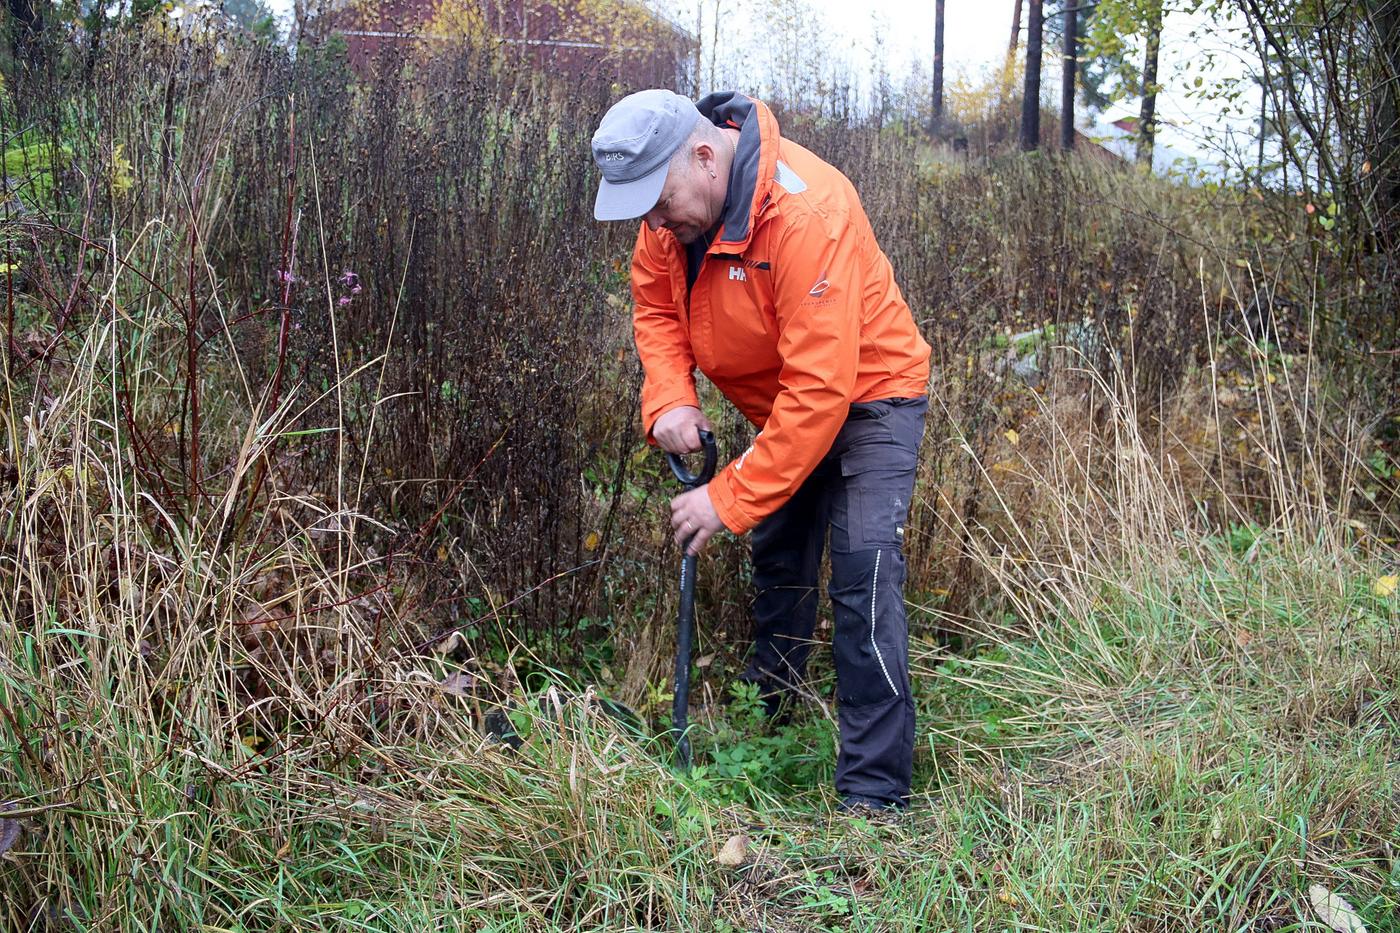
[685, 206]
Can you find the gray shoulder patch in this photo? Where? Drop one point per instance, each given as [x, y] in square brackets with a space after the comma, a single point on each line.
[789, 179]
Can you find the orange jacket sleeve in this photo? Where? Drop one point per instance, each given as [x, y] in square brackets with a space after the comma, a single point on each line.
[662, 340]
[817, 297]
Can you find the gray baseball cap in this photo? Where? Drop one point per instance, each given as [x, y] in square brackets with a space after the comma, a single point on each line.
[633, 148]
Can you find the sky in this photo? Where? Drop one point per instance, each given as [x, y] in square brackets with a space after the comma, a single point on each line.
[976, 35]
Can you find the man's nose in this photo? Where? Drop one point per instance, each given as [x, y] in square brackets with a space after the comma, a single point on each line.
[653, 220]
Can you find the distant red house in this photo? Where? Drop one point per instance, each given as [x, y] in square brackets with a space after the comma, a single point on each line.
[619, 40]
[1094, 151]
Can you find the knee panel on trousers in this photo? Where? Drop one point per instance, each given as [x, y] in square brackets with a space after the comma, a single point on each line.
[870, 641]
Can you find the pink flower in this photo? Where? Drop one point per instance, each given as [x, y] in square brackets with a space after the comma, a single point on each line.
[344, 300]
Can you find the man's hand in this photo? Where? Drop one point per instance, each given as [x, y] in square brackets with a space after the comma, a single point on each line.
[692, 513]
[678, 431]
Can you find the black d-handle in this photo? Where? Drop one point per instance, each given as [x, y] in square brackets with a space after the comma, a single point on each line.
[691, 480]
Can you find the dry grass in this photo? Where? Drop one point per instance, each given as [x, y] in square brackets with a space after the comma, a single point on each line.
[245, 734]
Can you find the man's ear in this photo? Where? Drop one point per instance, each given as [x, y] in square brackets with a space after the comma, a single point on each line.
[705, 155]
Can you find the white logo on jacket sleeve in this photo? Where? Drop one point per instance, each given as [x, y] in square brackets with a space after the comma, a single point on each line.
[737, 272]
[789, 179]
[819, 289]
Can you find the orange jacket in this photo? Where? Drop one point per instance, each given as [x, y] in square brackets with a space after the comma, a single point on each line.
[794, 314]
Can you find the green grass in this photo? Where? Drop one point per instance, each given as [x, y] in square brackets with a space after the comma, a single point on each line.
[1149, 728]
[1145, 766]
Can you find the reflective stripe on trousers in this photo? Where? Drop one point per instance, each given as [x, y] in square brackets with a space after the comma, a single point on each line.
[860, 494]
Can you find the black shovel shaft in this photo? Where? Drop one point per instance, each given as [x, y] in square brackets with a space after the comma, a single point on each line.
[685, 620]
[685, 633]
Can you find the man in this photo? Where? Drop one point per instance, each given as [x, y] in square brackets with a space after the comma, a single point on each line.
[755, 263]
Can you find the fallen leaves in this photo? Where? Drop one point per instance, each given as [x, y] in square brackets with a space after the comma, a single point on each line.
[457, 684]
[9, 830]
[1334, 911]
[1385, 586]
[734, 853]
[451, 643]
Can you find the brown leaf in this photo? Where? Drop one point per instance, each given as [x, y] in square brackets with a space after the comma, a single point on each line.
[9, 830]
[451, 643]
[457, 684]
[1334, 911]
[735, 852]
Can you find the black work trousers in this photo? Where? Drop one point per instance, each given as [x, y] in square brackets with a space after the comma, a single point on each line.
[860, 492]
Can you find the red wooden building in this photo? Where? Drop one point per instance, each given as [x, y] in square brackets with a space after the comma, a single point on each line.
[620, 40]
